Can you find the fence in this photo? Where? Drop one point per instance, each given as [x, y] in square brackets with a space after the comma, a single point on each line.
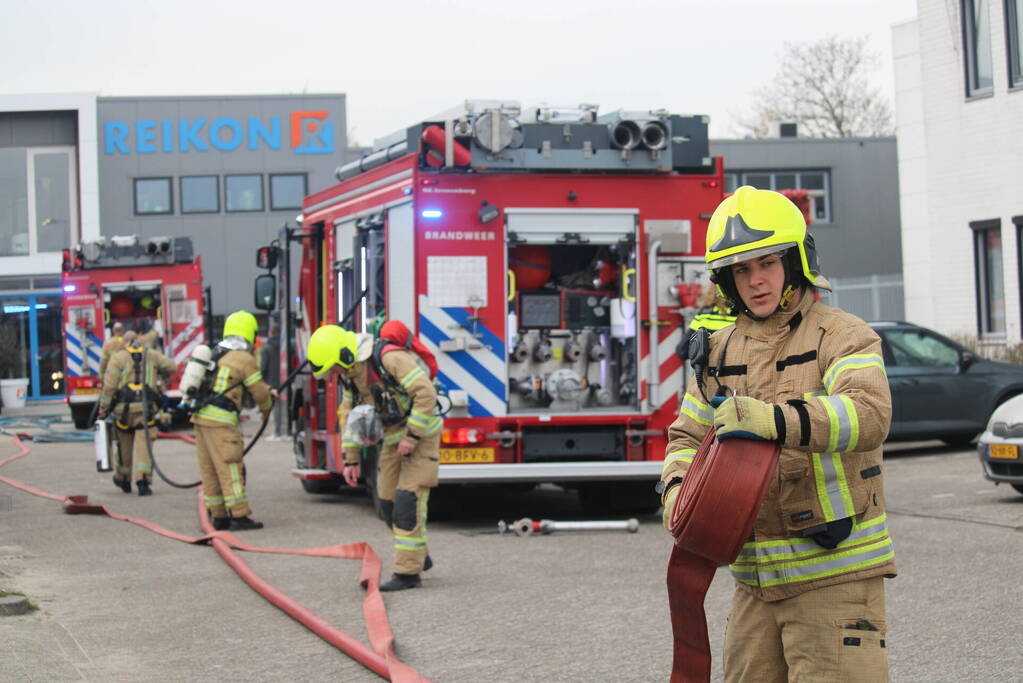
[874, 297]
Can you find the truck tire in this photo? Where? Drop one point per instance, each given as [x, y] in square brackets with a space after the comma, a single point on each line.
[82, 415]
[369, 478]
[620, 496]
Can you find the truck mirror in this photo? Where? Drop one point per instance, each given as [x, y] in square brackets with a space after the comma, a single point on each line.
[266, 292]
[266, 257]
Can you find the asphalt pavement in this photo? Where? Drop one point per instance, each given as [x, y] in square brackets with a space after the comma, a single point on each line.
[120, 603]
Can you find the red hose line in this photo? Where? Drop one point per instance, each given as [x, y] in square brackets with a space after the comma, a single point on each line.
[381, 659]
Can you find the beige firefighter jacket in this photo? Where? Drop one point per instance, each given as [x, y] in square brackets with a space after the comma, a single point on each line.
[237, 373]
[417, 396]
[120, 374]
[824, 368]
[110, 347]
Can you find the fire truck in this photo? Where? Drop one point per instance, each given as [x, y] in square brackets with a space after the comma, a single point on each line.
[153, 283]
[548, 258]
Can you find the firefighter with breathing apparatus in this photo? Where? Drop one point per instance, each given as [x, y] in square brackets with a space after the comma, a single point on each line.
[224, 378]
[119, 338]
[809, 602]
[390, 378]
[131, 396]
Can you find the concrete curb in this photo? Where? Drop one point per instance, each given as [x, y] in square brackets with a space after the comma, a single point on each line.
[11, 605]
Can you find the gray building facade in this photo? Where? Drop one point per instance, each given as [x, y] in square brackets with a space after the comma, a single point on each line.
[854, 187]
[226, 171]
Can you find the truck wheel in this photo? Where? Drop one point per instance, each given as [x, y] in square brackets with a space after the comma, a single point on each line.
[317, 486]
[369, 478]
[81, 415]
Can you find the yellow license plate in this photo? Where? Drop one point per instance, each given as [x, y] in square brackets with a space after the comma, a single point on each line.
[87, 390]
[1004, 450]
[466, 455]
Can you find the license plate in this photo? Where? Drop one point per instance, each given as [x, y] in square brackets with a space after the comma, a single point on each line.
[88, 390]
[466, 455]
[1007, 451]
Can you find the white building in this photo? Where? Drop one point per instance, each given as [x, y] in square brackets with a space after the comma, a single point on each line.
[959, 104]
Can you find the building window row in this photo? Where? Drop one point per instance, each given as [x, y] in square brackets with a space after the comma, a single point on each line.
[817, 184]
[977, 62]
[242, 193]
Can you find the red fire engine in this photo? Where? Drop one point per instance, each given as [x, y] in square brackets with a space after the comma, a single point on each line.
[547, 259]
[154, 283]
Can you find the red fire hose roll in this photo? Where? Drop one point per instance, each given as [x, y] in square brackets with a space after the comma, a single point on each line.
[717, 503]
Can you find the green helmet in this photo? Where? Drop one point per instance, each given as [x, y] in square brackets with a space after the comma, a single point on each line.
[242, 324]
[331, 345]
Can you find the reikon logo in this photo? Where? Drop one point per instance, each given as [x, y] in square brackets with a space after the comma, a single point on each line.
[310, 133]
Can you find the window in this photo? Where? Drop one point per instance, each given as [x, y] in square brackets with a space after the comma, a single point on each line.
[977, 46]
[1014, 41]
[1018, 222]
[38, 201]
[816, 183]
[243, 192]
[286, 191]
[731, 182]
[153, 196]
[919, 349]
[987, 255]
[200, 194]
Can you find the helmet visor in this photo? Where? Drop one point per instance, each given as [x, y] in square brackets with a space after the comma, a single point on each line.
[749, 255]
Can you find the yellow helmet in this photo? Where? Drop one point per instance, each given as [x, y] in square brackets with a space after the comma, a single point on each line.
[242, 324]
[331, 345]
[752, 223]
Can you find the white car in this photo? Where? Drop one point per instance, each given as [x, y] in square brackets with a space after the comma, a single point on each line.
[1000, 445]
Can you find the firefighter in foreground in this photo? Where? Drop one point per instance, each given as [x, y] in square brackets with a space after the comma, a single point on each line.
[218, 437]
[119, 338]
[390, 378]
[809, 602]
[131, 394]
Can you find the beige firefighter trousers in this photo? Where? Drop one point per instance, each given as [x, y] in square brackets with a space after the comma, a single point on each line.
[133, 451]
[407, 482]
[835, 633]
[220, 451]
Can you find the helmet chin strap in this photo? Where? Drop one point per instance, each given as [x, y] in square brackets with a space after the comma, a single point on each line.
[793, 282]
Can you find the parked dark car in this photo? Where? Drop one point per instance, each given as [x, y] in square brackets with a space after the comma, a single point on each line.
[941, 389]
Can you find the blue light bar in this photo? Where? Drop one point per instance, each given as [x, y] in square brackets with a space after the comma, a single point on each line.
[431, 213]
[69, 288]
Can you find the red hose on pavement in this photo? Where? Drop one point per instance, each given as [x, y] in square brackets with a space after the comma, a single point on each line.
[380, 659]
[717, 503]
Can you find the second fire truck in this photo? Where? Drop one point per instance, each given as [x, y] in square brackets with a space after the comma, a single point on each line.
[548, 258]
[153, 283]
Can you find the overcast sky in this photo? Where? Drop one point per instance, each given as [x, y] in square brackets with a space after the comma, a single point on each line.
[400, 61]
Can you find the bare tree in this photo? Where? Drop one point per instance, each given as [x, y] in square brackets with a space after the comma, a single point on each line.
[823, 87]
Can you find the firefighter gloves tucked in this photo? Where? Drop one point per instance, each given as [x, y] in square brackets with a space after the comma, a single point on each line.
[745, 417]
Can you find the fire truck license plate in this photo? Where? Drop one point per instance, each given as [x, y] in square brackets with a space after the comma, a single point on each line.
[466, 455]
[92, 390]
[1005, 450]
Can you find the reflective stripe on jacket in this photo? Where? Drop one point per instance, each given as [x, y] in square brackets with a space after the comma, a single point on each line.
[824, 368]
[236, 373]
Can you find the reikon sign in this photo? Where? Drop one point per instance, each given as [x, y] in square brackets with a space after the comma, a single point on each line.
[310, 132]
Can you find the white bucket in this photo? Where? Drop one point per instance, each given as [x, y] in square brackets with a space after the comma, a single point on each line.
[14, 391]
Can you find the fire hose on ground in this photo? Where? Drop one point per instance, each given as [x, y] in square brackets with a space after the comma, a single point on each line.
[379, 657]
[717, 503]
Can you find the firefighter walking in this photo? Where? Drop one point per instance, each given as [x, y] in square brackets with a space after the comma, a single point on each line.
[390, 378]
[220, 446]
[130, 393]
[809, 602]
[119, 338]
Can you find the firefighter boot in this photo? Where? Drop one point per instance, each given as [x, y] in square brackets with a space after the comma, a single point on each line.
[400, 582]
[244, 523]
[221, 523]
[123, 485]
[143, 486]
[427, 564]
